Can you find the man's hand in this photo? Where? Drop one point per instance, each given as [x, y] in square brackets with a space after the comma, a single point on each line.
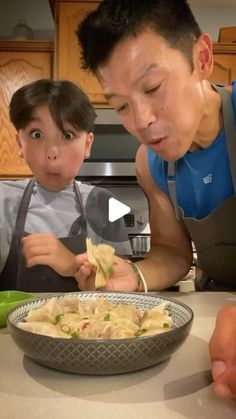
[222, 348]
[46, 249]
[123, 277]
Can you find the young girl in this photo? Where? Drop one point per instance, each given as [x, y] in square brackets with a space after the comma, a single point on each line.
[44, 221]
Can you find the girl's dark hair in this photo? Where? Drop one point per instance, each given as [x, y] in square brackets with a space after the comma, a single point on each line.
[66, 103]
[115, 20]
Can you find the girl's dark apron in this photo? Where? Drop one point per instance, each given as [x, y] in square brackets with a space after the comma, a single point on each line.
[215, 235]
[41, 278]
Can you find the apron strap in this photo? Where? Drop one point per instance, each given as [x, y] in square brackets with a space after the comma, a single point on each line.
[23, 208]
[80, 222]
[229, 128]
[171, 177]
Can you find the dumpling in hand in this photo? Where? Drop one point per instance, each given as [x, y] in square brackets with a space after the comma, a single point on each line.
[102, 257]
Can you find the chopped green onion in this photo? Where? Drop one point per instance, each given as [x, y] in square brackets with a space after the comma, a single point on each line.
[107, 317]
[58, 318]
[166, 325]
[141, 332]
[110, 271]
[75, 335]
[65, 328]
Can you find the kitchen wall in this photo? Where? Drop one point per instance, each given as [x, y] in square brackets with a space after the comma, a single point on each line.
[36, 13]
[211, 15]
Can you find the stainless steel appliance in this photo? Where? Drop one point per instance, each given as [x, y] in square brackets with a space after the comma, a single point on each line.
[114, 149]
[140, 244]
[112, 166]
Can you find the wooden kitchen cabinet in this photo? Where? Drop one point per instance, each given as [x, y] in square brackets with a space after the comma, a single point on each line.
[224, 70]
[67, 63]
[20, 63]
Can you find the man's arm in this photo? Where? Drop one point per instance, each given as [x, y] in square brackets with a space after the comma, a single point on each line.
[170, 257]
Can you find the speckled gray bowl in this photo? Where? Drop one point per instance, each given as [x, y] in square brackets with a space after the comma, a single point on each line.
[113, 356]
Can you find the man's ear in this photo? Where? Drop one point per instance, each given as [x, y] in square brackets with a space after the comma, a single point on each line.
[203, 57]
[19, 145]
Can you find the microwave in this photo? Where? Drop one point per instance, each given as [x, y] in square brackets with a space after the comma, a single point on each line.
[113, 151]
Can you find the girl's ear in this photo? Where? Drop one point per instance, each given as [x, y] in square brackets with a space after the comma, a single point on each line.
[88, 144]
[203, 57]
[19, 145]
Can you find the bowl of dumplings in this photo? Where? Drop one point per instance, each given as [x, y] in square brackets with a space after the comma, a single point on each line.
[100, 333]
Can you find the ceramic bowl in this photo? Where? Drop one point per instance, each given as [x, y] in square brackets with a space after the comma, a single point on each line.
[108, 356]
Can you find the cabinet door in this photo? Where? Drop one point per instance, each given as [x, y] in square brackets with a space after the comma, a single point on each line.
[224, 70]
[67, 63]
[16, 69]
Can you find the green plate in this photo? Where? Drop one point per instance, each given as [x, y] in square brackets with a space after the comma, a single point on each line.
[10, 299]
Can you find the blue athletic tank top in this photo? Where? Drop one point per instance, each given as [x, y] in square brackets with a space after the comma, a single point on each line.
[203, 178]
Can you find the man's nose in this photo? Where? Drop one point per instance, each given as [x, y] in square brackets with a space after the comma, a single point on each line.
[52, 153]
[144, 115]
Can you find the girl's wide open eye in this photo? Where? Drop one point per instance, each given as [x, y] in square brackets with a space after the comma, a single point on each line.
[68, 135]
[36, 134]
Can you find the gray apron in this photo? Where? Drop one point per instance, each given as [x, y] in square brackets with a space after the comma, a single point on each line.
[214, 236]
[41, 278]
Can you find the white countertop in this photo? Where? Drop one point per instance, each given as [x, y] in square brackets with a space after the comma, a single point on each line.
[176, 389]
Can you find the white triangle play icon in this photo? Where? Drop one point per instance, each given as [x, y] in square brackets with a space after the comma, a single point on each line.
[116, 209]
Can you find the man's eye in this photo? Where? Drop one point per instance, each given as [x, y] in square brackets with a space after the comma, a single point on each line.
[121, 108]
[69, 135]
[152, 90]
[36, 135]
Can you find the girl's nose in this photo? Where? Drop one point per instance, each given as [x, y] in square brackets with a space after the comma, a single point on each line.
[52, 154]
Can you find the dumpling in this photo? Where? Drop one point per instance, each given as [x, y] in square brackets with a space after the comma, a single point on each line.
[102, 257]
[69, 304]
[117, 331]
[157, 318]
[43, 328]
[69, 323]
[102, 306]
[127, 311]
[126, 324]
[45, 313]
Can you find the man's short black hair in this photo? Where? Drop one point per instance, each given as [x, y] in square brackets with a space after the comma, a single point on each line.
[115, 20]
[65, 100]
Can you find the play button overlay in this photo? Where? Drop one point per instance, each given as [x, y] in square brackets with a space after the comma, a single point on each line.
[104, 214]
[116, 209]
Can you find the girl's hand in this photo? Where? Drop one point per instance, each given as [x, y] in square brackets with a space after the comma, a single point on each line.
[46, 249]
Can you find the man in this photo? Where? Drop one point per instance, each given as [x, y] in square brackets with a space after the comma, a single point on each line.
[154, 68]
[153, 63]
